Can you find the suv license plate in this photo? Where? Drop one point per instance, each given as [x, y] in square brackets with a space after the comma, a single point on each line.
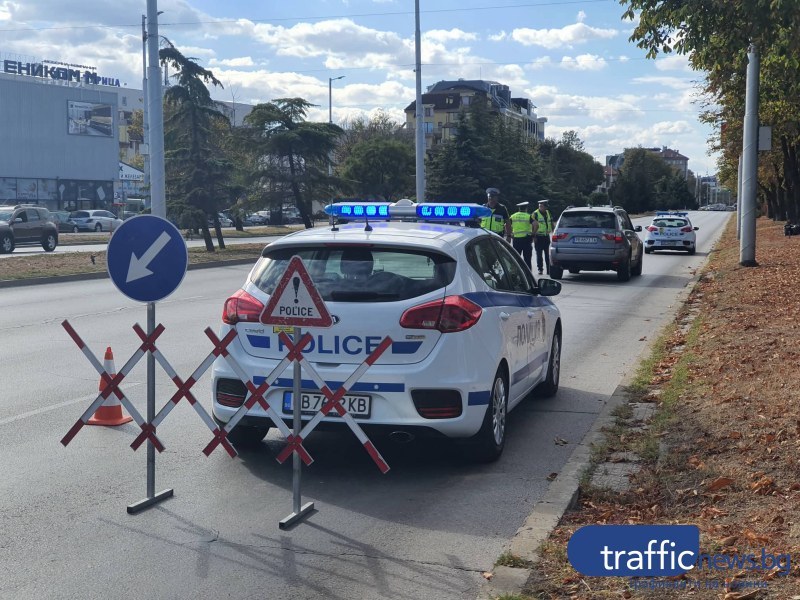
[358, 406]
[584, 240]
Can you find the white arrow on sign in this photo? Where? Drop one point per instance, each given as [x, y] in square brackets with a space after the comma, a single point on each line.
[138, 267]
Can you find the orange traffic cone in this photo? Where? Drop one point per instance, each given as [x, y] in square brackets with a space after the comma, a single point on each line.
[110, 413]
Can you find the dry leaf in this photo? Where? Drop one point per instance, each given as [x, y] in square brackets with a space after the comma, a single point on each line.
[552, 476]
[487, 575]
[728, 541]
[719, 483]
[560, 441]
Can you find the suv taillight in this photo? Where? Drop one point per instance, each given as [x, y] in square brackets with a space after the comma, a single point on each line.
[454, 313]
[559, 236]
[613, 237]
[241, 307]
[652, 228]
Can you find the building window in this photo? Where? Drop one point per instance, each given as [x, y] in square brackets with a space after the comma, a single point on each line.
[124, 101]
[428, 111]
[465, 100]
[428, 127]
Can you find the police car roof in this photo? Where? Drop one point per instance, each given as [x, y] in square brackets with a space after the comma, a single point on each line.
[438, 236]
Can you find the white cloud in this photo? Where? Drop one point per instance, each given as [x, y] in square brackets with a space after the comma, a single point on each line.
[242, 61]
[445, 35]
[583, 62]
[581, 16]
[577, 33]
[674, 62]
[498, 37]
[539, 63]
[676, 83]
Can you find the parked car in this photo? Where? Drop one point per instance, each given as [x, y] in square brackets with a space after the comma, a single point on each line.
[223, 221]
[260, 217]
[600, 238]
[94, 220]
[671, 230]
[62, 221]
[473, 332]
[26, 225]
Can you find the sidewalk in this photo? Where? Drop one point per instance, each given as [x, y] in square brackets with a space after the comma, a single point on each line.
[706, 434]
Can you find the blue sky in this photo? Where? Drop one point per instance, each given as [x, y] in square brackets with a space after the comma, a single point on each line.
[571, 58]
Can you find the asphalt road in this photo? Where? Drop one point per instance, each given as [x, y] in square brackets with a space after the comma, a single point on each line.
[427, 529]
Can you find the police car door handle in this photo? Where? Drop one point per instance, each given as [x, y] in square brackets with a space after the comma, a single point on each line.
[504, 316]
[531, 314]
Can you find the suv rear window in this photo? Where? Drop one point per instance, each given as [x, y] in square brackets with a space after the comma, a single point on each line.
[588, 220]
[360, 273]
[79, 214]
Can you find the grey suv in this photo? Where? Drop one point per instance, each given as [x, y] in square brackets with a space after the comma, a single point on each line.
[26, 225]
[600, 238]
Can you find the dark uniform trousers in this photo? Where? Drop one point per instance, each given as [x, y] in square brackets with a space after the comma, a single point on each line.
[542, 245]
[523, 246]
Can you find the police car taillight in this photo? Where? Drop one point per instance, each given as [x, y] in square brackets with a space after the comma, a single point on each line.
[241, 307]
[687, 229]
[652, 228]
[454, 313]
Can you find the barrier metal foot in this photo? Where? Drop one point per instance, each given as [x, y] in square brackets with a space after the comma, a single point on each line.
[293, 518]
[148, 502]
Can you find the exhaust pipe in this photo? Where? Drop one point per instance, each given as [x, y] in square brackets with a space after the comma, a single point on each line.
[401, 437]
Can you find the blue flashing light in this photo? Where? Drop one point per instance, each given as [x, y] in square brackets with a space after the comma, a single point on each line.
[671, 213]
[359, 210]
[451, 212]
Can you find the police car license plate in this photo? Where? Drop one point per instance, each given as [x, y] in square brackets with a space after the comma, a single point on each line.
[584, 240]
[310, 403]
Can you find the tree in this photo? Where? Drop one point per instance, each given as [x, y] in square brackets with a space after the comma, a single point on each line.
[382, 167]
[197, 172]
[290, 154]
[637, 187]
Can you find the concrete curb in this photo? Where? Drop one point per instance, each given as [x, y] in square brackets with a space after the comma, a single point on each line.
[9, 283]
[563, 492]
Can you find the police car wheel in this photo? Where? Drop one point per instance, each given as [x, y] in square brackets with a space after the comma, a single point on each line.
[692, 250]
[648, 250]
[556, 272]
[487, 445]
[245, 435]
[549, 386]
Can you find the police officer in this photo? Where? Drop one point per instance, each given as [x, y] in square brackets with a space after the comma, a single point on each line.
[543, 228]
[498, 222]
[522, 233]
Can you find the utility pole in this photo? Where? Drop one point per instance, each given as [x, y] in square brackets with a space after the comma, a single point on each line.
[158, 204]
[420, 145]
[145, 111]
[747, 241]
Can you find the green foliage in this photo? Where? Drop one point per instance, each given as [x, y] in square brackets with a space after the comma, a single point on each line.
[290, 155]
[647, 182]
[380, 167]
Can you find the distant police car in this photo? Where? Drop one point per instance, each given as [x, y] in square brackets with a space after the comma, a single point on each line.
[671, 230]
[472, 331]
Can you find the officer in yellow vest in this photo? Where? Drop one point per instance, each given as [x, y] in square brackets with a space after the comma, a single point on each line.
[543, 228]
[498, 222]
[522, 233]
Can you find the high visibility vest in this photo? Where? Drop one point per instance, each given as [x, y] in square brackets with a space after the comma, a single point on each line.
[521, 224]
[545, 222]
[494, 223]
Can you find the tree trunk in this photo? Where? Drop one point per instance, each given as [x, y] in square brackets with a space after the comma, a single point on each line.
[207, 238]
[298, 196]
[218, 231]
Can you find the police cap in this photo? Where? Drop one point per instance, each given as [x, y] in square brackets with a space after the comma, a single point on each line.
[522, 203]
[544, 201]
[492, 192]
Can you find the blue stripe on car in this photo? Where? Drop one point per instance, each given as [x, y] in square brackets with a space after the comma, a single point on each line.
[308, 384]
[498, 299]
[262, 341]
[258, 341]
[478, 398]
[531, 366]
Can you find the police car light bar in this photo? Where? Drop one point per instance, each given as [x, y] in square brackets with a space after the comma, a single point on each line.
[673, 213]
[362, 211]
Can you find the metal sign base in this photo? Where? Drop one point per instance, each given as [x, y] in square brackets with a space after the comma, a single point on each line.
[148, 502]
[293, 518]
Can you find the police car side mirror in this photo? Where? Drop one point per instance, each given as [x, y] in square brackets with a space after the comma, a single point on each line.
[637, 228]
[549, 287]
[696, 228]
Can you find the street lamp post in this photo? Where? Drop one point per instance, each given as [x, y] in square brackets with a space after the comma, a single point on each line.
[330, 96]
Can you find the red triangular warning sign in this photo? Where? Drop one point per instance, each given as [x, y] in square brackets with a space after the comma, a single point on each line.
[296, 301]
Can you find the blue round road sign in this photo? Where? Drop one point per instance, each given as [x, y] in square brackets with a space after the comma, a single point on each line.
[147, 258]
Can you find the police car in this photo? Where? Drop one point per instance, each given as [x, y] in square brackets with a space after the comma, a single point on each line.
[472, 331]
[671, 230]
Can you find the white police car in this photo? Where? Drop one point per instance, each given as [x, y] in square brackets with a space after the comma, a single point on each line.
[472, 332]
[671, 230]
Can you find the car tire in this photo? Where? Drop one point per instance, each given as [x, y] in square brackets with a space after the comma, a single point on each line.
[98, 228]
[556, 272]
[247, 435]
[574, 271]
[692, 250]
[75, 229]
[637, 270]
[549, 386]
[49, 242]
[487, 445]
[648, 250]
[7, 244]
[624, 270]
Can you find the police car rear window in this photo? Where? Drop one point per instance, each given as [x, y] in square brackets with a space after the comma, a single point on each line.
[360, 273]
[670, 222]
[588, 220]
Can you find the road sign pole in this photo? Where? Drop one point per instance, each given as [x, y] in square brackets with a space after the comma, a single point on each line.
[298, 513]
[152, 498]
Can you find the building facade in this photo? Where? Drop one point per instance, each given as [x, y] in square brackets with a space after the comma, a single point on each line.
[444, 101]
